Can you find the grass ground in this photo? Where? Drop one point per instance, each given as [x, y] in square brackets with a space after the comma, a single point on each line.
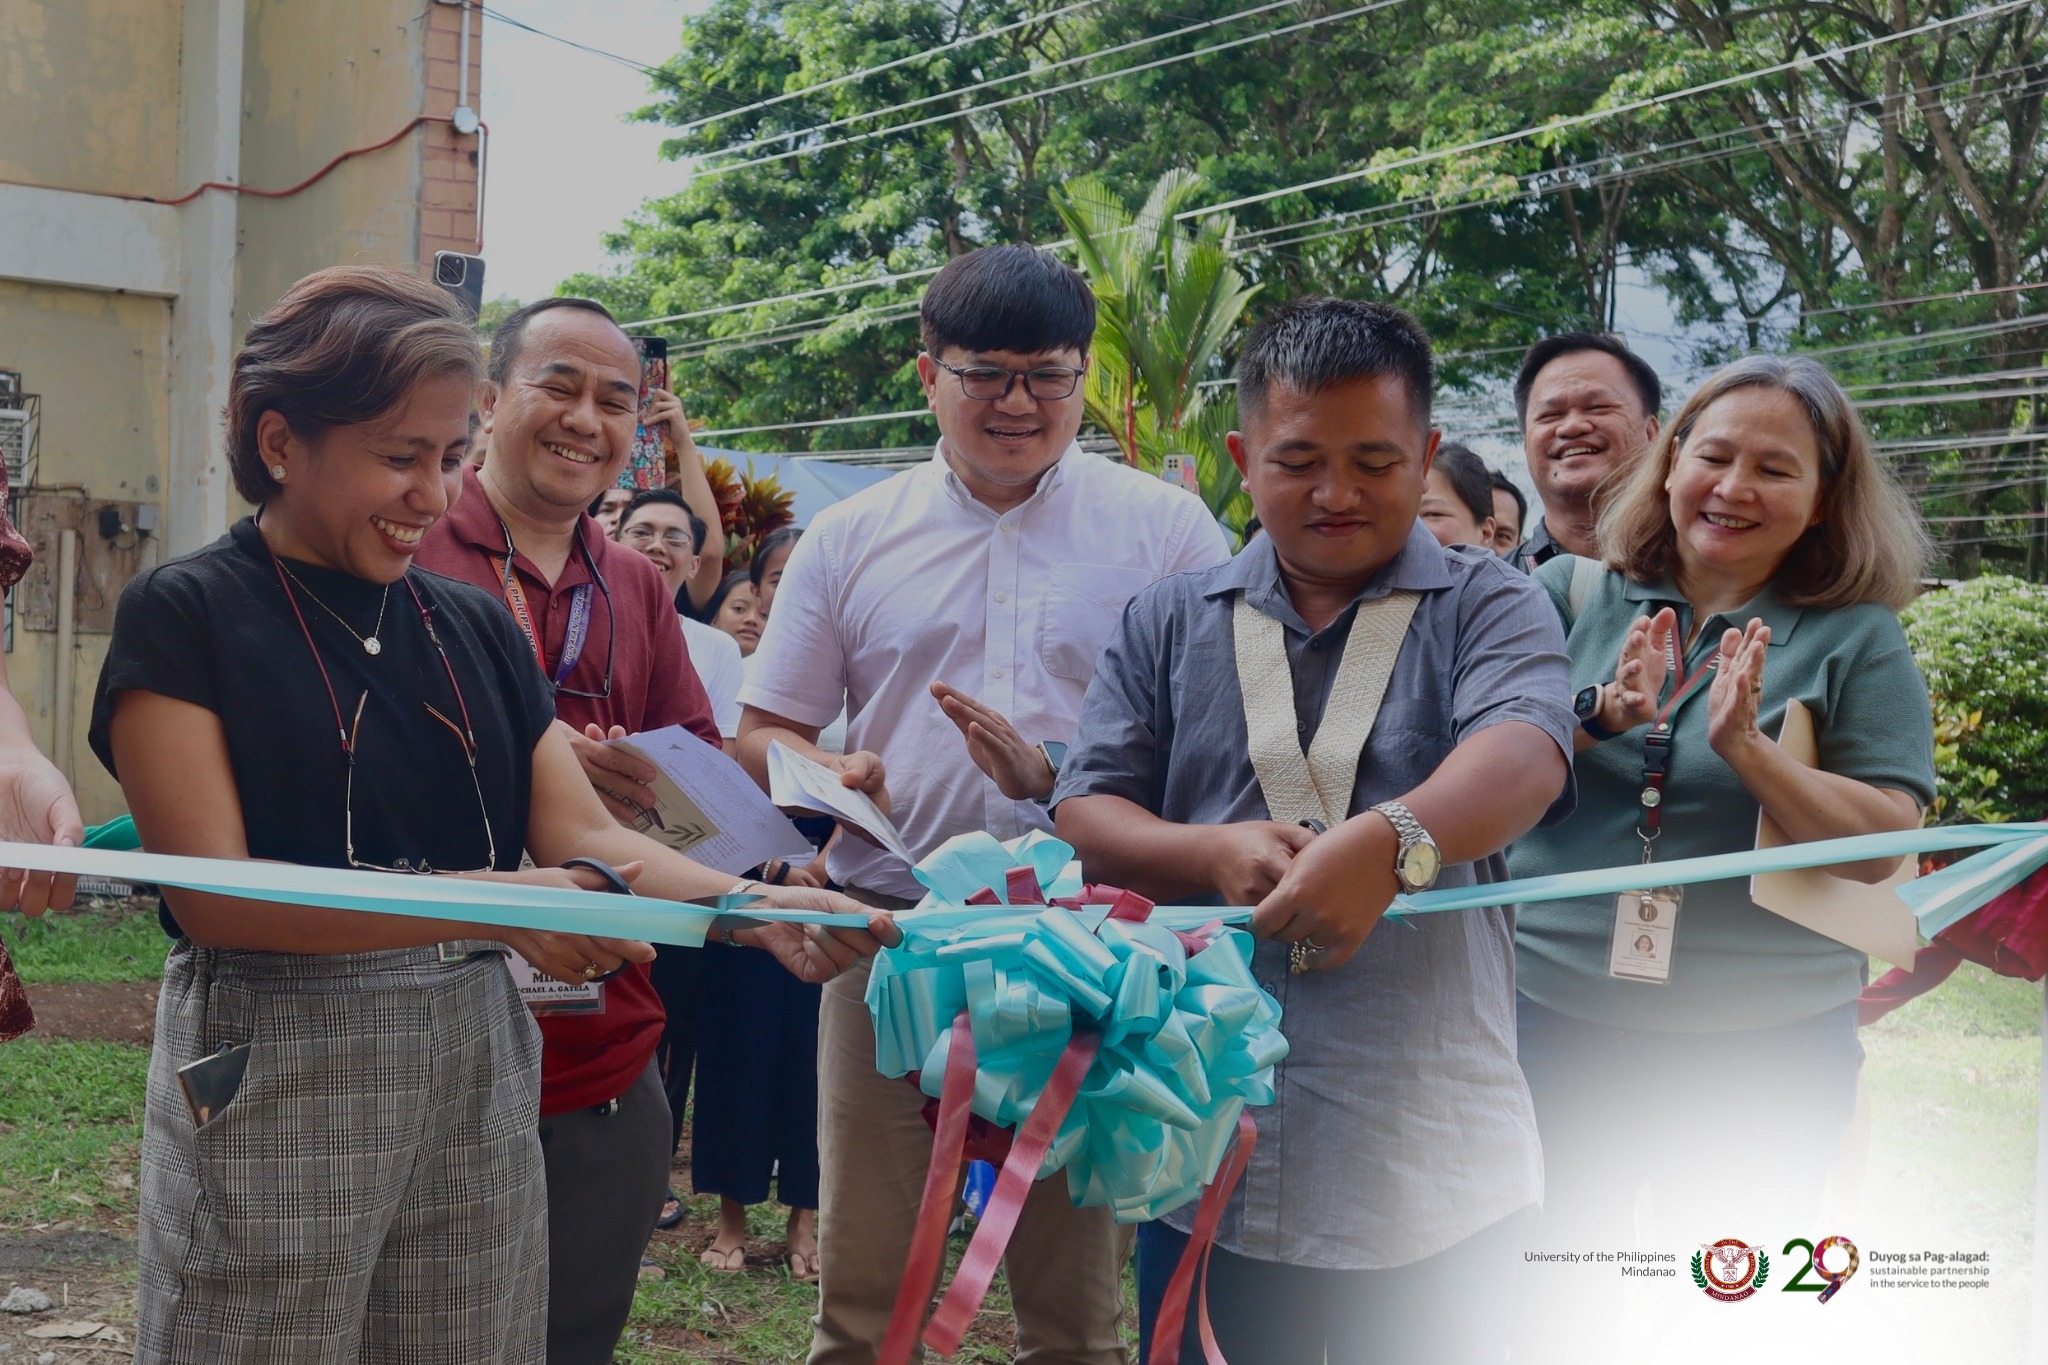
[1952, 1081]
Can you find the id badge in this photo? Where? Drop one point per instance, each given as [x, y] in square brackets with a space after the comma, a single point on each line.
[1645, 927]
[544, 995]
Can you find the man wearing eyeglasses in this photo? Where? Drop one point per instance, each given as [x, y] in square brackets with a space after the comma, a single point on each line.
[558, 418]
[977, 588]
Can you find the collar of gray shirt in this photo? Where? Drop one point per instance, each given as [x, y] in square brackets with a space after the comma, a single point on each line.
[1418, 566]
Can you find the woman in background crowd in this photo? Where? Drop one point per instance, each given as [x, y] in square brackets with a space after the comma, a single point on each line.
[1754, 564]
[736, 610]
[765, 571]
[1457, 499]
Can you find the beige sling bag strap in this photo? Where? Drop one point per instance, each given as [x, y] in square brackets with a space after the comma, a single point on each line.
[1316, 785]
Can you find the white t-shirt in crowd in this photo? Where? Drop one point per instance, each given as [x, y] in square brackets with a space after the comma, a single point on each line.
[716, 657]
[912, 581]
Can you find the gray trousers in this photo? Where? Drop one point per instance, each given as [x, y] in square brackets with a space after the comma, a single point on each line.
[607, 1173]
[372, 1194]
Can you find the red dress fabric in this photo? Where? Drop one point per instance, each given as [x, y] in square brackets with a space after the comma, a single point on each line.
[15, 1016]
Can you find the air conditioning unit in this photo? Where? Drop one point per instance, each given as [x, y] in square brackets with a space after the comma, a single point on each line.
[17, 428]
[10, 388]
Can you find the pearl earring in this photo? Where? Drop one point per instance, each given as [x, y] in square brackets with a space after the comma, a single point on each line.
[277, 472]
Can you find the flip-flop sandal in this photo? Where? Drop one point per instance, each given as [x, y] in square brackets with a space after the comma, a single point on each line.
[724, 1260]
[802, 1268]
[671, 1211]
[650, 1269]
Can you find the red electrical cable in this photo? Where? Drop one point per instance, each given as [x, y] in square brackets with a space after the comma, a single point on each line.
[309, 181]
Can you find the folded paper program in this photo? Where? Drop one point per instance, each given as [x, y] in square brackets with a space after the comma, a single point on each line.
[1187, 1037]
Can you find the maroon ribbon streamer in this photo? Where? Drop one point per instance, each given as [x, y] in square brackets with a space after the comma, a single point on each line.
[951, 1122]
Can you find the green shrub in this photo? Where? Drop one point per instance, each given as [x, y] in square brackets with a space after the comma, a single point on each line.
[1984, 648]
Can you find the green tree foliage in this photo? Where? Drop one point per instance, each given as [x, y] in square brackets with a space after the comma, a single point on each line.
[1168, 301]
[1984, 648]
[1813, 207]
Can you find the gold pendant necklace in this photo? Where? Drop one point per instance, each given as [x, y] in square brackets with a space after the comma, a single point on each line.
[370, 643]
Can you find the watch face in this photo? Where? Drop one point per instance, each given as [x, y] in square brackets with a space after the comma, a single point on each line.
[1419, 865]
[1587, 703]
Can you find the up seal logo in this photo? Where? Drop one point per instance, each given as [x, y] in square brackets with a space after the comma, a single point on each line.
[1729, 1270]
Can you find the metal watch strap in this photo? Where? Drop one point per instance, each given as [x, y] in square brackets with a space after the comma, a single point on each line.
[1411, 833]
[1404, 822]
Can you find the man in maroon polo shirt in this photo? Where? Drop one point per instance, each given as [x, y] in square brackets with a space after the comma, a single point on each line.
[558, 420]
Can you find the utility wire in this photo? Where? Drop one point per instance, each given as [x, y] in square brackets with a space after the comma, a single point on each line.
[868, 114]
[812, 149]
[1600, 115]
[866, 71]
[896, 277]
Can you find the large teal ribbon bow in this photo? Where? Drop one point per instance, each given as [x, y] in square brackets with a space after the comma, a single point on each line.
[1187, 1037]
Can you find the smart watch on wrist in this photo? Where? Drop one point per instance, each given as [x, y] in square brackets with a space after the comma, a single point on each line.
[1419, 860]
[1587, 707]
[1054, 753]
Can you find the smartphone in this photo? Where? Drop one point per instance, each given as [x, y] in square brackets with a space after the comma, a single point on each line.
[462, 276]
[654, 461]
[212, 1081]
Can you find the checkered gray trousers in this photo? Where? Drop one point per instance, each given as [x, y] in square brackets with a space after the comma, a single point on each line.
[373, 1194]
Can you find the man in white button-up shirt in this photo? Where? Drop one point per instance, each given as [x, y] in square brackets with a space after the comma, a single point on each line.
[956, 611]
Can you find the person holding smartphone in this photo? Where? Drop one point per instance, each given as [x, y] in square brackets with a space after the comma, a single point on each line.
[370, 1189]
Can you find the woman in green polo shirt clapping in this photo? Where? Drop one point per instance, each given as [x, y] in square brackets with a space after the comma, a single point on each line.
[1690, 1040]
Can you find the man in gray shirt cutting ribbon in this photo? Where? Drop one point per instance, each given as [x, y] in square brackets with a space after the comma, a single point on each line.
[1345, 711]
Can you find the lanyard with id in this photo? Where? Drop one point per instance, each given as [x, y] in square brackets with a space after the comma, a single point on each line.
[1646, 920]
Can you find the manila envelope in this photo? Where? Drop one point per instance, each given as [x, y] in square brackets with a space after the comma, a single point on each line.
[1871, 918]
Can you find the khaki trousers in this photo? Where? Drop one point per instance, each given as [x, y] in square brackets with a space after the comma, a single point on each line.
[1064, 1265]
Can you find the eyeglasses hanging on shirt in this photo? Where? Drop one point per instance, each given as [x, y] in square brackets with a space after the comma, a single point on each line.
[351, 733]
[577, 634]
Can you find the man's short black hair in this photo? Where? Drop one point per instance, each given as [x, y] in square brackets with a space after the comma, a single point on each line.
[1467, 475]
[1007, 298]
[511, 333]
[1648, 387]
[1312, 343]
[1507, 485]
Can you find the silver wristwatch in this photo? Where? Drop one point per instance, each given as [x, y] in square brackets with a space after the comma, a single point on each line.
[1419, 860]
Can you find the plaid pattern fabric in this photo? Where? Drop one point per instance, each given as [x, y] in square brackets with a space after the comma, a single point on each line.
[373, 1194]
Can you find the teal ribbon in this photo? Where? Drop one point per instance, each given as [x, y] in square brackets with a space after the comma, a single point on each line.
[2009, 854]
[1187, 1040]
[471, 901]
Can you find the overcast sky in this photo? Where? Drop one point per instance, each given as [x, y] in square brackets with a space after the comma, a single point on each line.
[564, 166]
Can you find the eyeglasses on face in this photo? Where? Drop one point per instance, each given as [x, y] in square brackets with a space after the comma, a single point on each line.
[992, 383]
[640, 533]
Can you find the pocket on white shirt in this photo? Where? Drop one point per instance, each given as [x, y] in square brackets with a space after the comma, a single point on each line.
[1083, 603]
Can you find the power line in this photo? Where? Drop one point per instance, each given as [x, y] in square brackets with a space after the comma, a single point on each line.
[1599, 115]
[1065, 62]
[967, 40]
[883, 280]
[816, 147]
[1926, 298]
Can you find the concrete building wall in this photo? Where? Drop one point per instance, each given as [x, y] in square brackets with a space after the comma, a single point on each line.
[124, 314]
[90, 91]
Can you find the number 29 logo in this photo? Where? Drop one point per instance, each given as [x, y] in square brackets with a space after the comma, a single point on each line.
[1817, 1265]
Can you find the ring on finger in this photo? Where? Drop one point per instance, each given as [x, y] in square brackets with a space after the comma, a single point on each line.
[591, 971]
